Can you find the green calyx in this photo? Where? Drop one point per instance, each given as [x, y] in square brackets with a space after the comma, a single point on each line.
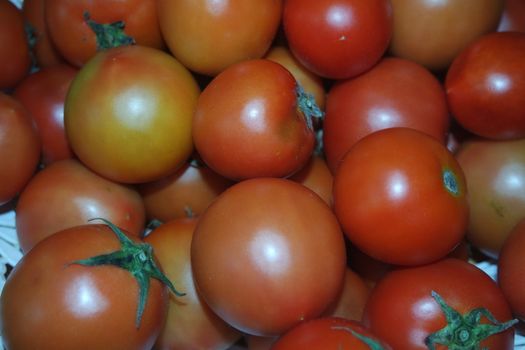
[370, 342]
[308, 106]
[137, 258]
[465, 332]
[109, 35]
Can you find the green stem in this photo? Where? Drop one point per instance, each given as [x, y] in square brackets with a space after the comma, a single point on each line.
[110, 34]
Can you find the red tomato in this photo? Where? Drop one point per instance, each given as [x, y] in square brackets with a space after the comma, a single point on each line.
[511, 272]
[316, 176]
[67, 194]
[400, 197]
[404, 310]
[485, 86]
[249, 122]
[19, 147]
[329, 333]
[190, 324]
[495, 173]
[513, 17]
[118, 22]
[338, 39]
[208, 36]
[15, 60]
[432, 33]
[43, 49]
[52, 300]
[128, 114]
[267, 254]
[187, 192]
[395, 93]
[43, 94]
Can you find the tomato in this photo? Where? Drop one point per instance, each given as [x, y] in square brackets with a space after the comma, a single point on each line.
[311, 83]
[400, 197]
[513, 17]
[485, 86]
[187, 192]
[329, 333]
[267, 254]
[190, 323]
[495, 172]
[511, 275]
[15, 60]
[43, 93]
[66, 194]
[432, 33]
[128, 114]
[316, 176]
[394, 93]
[209, 36]
[54, 298]
[337, 39]
[81, 28]
[249, 122]
[19, 148]
[409, 304]
[43, 49]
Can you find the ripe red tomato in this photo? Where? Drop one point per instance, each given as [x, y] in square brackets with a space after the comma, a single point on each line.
[209, 36]
[190, 323]
[67, 194]
[404, 310]
[128, 114]
[511, 274]
[329, 333]
[187, 192]
[495, 173]
[394, 93]
[400, 197]
[432, 33]
[43, 93]
[70, 25]
[485, 86]
[15, 60]
[19, 147]
[338, 39]
[43, 49]
[267, 254]
[249, 122]
[51, 300]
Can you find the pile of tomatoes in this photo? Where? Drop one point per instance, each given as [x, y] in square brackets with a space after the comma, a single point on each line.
[278, 174]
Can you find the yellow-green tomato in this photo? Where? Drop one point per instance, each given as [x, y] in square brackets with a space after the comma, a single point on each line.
[128, 114]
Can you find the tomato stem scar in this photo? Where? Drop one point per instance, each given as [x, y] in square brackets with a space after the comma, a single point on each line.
[451, 182]
[137, 258]
[308, 106]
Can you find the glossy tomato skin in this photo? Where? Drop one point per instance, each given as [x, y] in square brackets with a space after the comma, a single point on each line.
[316, 176]
[485, 86]
[69, 306]
[76, 41]
[513, 17]
[328, 333]
[267, 254]
[247, 122]
[209, 36]
[494, 171]
[128, 114]
[43, 49]
[67, 194]
[511, 270]
[400, 197]
[394, 93]
[15, 60]
[432, 33]
[19, 147]
[337, 39]
[43, 93]
[190, 323]
[187, 192]
[401, 310]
